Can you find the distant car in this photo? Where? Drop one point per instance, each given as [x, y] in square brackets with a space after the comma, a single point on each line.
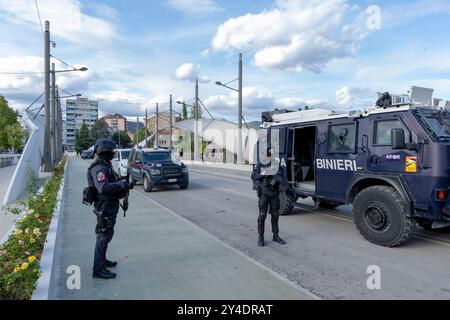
[156, 167]
[87, 154]
[120, 162]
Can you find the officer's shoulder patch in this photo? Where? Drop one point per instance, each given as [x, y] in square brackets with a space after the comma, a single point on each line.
[101, 176]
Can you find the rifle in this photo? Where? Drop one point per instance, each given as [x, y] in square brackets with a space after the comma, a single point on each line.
[125, 203]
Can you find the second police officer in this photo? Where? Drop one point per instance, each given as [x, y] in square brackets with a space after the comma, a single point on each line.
[110, 189]
[268, 181]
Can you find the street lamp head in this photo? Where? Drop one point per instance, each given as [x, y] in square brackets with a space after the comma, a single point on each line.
[78, 95]
[219, 83]
[83, 69]
[179, 102]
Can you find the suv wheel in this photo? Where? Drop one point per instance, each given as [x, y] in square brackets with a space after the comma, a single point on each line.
[148, 187]
[380, 216]
[131, 180]
[184, 186]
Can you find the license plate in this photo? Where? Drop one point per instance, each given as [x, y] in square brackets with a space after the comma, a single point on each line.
[172, 180]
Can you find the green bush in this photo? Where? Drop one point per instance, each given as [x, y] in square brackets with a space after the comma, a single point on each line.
[20, 255]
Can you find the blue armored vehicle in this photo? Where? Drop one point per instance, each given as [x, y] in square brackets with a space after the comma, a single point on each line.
[391, 162]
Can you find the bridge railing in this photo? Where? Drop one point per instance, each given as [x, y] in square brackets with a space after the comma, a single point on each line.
[7, 160]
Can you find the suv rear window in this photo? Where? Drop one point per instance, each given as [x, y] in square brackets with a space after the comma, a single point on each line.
[342, 138]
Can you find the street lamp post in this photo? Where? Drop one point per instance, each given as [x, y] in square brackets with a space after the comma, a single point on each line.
[240, 157]
[47, 147]
[196, 140]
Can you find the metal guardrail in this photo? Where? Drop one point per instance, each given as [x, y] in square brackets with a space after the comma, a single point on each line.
[9, 160]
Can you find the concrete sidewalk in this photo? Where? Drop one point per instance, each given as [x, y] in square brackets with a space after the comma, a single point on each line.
[160, 255]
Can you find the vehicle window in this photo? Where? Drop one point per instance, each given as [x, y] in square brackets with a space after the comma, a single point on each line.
[342, 138]
[125, 154]
[116, 155]
[157, 156]
[133, 156]
[383, 131]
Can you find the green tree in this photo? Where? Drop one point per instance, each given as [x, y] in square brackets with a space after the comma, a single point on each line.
[7, 117]
[184, 113]
[124, 138]
[15, 135]
[83, 139]
[100, 130]
[200, 112]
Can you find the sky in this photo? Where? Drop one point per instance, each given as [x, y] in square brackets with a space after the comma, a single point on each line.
[323, 53]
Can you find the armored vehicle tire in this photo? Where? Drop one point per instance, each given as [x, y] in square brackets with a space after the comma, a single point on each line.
[380, 216]
[329, 204]
[148, 187]
[286, 203]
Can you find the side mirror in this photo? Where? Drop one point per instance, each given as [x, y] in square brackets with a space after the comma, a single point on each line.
[398, 139]
[181, 154]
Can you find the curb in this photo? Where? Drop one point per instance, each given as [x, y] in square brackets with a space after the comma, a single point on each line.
[42, 290]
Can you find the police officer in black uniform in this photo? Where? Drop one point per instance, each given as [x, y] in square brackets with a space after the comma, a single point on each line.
[268, 186]
[109, 190]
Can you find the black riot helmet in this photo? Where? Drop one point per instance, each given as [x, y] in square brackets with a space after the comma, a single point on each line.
[103, 146]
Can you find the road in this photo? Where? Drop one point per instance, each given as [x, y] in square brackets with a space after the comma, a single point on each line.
[325, 253]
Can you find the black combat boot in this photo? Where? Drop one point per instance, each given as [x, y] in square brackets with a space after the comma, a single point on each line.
[277, 238]
[261, 241]
[104, 274]
[110, 264]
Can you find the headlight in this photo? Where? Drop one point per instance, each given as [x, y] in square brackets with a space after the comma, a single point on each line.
[155, 172]
[184, 170]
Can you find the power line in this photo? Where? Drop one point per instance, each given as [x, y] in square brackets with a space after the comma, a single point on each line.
[39, 16]
[19, 73]
[65, 63]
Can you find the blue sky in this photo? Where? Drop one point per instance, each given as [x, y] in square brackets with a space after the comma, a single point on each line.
[296, 52]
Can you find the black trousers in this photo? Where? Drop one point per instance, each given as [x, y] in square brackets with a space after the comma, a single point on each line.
[105, 232]
[268, 203]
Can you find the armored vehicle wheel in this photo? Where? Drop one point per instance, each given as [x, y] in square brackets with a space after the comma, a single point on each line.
[380, 216]
[148, 187]
[328, 204]
[286, 203]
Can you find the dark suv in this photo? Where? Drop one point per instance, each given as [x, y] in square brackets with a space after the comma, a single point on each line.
[155, 167]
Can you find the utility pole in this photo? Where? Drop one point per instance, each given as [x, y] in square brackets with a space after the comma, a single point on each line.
[157, 126]
[196, 142]
[47, 148]
[240, 159]
[146, 115]
[53, 115]
[170, 123]
[60, 128]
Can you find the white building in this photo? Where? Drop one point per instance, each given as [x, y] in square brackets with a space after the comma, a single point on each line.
[78, 111]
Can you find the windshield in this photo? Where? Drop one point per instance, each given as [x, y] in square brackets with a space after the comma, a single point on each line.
[157, 156]
[436, 122]
[125, 155]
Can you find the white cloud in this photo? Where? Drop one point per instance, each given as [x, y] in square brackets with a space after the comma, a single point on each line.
[22, 89]
[189, 72]
[254, 101]
[66, 20]
[195, 7]
[348, 97]
[296, 35]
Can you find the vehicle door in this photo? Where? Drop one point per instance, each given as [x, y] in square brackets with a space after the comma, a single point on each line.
[336, 155]
[382, 158]
[116, 162]
[135, 165]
